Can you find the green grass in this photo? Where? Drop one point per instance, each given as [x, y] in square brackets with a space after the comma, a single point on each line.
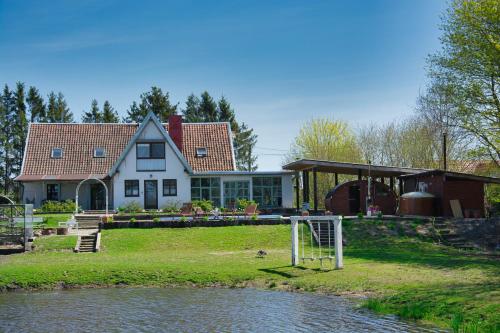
[52, 220]
[411, 278]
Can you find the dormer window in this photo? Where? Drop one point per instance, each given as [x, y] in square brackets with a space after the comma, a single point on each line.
[201, 152]
[56, 153]
[99, 152]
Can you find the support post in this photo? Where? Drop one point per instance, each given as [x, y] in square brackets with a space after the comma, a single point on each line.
[339, 256]
[336, 179]
[315, 189]
[359, 174]
[297, 191]
[295, 241]
[305, 190]
[391, 183]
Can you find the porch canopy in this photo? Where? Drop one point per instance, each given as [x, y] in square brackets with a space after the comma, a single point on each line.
[343, 168]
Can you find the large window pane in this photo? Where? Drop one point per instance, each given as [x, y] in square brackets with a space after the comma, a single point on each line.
[267, 191]
[206, 189]
[142, 150]
[157, 150]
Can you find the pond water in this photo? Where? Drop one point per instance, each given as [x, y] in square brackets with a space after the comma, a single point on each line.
[187, 310]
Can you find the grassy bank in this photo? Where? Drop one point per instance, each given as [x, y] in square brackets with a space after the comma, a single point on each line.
[409, 277]
[52, 220]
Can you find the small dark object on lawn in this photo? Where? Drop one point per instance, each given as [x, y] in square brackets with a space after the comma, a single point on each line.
[261, 254]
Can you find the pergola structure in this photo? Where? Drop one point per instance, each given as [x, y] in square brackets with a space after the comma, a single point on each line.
[307, 166]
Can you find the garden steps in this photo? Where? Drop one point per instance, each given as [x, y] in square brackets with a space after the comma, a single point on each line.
[87, 243]
[88, 221]
[320, 233]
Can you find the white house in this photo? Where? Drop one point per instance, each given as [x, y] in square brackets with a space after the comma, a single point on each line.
[154, 164]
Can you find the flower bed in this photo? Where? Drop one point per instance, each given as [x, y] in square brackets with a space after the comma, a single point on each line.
[191, 223]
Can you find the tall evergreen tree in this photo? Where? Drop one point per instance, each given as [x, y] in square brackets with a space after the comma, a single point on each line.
[226, 113]
[208, 108]
[109, 115]
[244, 143]
[19, 129]
[57, 109]
[152, 101]
[7, 117]
[36, 106]
[93, 115]
[63, 111]
[192, 111]
[51, 116]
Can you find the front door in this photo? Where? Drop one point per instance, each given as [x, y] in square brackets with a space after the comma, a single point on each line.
[150, 194]
[97, 197]
[354, 200]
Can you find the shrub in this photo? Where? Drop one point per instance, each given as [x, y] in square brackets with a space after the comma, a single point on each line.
[131, 207]
[132, 220]
[205, 218]
[254, 217]
[108, 219]
[156, 219]
[183, 219]
[171, 208]
[380, 214]
[360, 215]
[241, 204]
[206, 205]
[67, 206]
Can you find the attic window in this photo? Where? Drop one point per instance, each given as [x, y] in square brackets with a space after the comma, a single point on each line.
[56, 153]
[99, 152]
[201, 152]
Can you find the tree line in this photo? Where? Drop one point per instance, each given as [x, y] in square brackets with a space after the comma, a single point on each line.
[20, 106]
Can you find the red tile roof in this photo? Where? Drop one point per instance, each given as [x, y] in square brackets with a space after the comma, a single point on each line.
[79, 140]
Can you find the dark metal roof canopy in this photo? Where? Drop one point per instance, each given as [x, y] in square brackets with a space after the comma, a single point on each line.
[454, 176]
[350, 168]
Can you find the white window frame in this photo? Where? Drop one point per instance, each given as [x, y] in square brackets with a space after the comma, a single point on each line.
[201, 152]
[52, 155]
[103, 152]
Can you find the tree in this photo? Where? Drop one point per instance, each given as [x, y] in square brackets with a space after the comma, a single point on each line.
[19, 129]
[244, 142]
[36, 105]
[7, 116]
[191, 113]
[325, 139]
[469, 65]
[93, 115]
[152, 101]
[208, 108]
[57, 109]
[226, 113]
[109, 115]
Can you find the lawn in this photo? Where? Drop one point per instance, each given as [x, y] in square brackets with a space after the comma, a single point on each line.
[52, 220]
[412, 278]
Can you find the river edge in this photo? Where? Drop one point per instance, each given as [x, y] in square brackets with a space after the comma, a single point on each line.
[356, 298]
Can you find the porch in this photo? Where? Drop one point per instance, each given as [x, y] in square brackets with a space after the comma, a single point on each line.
[91, 194]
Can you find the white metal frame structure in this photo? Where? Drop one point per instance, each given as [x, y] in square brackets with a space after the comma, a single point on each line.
[78, 189]
[336, 221]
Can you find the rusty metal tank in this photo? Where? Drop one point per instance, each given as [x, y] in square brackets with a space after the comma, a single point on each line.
[417, 203]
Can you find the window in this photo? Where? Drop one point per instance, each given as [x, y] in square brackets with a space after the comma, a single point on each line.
[206, 189]
[201, 152]
[56, 153]
[99, 152]
[151, 150]
[132, 188]
[235, 190]
[169, 187]
[53, 192]
[267, 191]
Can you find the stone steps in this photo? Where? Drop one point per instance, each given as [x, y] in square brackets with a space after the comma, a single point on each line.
[87, 243]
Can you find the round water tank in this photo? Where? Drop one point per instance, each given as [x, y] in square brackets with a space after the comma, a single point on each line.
[417, 203]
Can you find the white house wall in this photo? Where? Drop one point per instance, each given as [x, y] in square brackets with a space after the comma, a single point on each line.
[174, 170]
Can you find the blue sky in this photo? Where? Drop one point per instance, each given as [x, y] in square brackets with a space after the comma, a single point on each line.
[280, 63]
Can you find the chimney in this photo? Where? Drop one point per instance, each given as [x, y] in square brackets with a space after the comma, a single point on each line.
[175, 130]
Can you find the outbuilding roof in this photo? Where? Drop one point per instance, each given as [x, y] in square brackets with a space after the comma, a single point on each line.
[78, 142]
[454, 176]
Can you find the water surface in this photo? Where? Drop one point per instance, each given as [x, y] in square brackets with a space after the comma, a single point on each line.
[187, 310]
